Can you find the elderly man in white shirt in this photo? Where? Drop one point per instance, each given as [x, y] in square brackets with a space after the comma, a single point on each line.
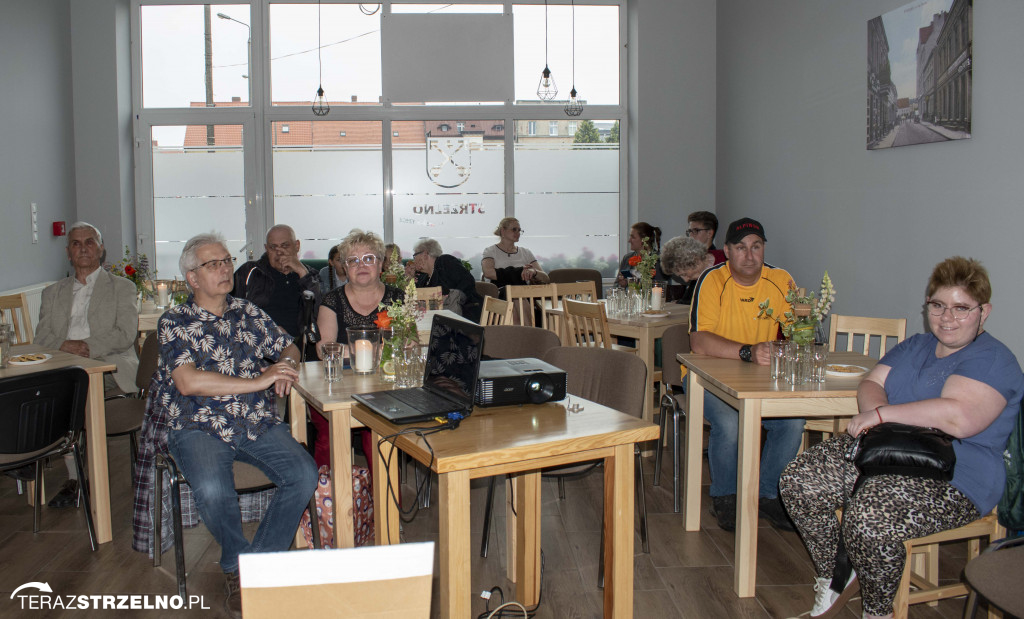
[91, 314]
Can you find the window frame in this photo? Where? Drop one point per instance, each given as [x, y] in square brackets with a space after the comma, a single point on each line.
[258, 117]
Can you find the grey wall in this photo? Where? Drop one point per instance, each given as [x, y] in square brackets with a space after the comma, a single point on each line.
[791, 134]
[36, 141]
[100, 40]
[673, 113]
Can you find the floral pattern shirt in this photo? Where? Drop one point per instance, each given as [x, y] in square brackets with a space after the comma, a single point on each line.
[240, 343]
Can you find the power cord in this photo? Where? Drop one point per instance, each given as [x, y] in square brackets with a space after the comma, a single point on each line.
[406, 515]
[509, 610]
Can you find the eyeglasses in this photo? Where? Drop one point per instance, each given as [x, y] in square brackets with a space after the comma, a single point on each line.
[519, 230]
[692, 231]
[213, 265]
[416, 253]
[959, 312]
[367, 259]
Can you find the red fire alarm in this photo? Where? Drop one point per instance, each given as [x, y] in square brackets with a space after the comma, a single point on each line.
[58, 228]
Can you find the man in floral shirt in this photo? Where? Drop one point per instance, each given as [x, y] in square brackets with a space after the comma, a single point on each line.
[222, 359]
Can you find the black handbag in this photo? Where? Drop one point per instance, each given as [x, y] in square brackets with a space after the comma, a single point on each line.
[900, 449]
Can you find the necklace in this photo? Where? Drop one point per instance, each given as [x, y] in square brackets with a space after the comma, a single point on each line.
[507, 253]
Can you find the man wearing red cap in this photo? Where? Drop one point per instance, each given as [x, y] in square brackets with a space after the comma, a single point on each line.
[724, 323]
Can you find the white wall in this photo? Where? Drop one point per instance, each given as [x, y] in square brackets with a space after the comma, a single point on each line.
[36, 143]
[673, 116]
[791, 134]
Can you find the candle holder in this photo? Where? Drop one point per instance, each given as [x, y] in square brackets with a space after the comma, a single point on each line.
[363, 350]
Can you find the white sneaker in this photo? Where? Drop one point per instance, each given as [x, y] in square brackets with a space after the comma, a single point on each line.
[826, 601]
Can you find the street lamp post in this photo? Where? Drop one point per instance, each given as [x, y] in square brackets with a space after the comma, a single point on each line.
[248, 43]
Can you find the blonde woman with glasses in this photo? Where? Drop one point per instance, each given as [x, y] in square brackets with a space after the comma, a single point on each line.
[505, 263]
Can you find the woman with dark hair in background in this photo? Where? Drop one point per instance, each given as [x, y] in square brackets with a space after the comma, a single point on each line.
[334, 274]
[637, 233]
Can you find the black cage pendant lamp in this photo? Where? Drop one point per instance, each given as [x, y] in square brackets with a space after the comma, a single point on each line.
[546, 89]
[320, 105]
[575, 106]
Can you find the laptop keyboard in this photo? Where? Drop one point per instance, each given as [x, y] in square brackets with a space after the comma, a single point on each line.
[424, 401]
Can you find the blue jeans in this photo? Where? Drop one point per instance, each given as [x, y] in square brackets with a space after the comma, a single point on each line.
[206, 461]
[781, 446]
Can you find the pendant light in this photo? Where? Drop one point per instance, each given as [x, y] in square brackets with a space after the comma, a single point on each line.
[575, 106]
[320, 105]
[546, 89]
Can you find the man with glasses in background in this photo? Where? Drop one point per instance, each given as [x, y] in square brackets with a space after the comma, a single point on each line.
[276, 283]
[703, 225]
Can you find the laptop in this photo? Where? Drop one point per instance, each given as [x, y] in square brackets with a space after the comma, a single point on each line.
[449, 377]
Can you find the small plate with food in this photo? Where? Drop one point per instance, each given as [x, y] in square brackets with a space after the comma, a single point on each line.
[842, 370]
[654, 314]
[31, 358]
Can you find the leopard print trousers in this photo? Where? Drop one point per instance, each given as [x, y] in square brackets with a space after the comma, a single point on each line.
[887, 510]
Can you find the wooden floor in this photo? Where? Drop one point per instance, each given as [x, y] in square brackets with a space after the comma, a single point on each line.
[686, 574]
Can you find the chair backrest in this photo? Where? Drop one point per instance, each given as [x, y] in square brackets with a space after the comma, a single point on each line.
[495, 311]
[864, 328]
[529, 303]
[613, 378]
[675, 340]
[577, 291]
[429, 298]
[585, 324]
[40, 409]
[515, 341]
[14, 311]
[564, 276]
[486, 289]
[148, 360]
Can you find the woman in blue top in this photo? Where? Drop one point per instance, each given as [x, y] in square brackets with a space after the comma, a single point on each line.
[957, 378]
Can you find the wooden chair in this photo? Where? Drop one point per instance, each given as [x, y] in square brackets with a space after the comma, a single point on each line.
[495, 312]
[429, 298]
[529, 303]
[564, 276]
[586, 324]
[577, 291]
[14, 311]
[856, 327]
[922, 566]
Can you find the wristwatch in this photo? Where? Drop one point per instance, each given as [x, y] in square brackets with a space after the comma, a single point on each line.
[745, 353]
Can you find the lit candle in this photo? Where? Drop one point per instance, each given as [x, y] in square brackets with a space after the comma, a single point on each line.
[162, 294]
[656, 297]
[364, 356]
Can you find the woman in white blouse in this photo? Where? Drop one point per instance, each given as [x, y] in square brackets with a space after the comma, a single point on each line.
[502, 261]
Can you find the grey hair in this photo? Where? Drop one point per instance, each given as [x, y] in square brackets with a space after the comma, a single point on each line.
[291, 232]
[681, 253]
[189, 260]
[360, 237]
[431, 246]
[84, 225]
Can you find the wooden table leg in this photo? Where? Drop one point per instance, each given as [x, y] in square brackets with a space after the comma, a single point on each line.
[747, 482]
[99, 476]
[645, 349]
[385, 512]
[297, 424]
[456, 585]
[526, 541]
[694, 451]
[618, 532]
[340, 430]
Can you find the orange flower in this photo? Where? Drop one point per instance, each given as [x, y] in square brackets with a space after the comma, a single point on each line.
[635, 260]
[383, 320]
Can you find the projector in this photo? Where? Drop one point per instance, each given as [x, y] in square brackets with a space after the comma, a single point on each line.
[504, 382]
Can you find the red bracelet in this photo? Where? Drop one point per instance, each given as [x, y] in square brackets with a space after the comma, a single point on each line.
[877, 412]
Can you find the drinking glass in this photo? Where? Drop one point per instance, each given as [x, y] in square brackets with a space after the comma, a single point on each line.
[409, 366]
[819, 360]
[363, 349]
[6, 338]
[797, 361]
[777, 355]
[333, 360]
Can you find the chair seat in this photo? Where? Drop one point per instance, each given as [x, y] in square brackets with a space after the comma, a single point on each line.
[249, 478]
[124, 415]
[996, 577]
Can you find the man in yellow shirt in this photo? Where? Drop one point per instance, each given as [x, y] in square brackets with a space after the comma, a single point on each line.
[724, 323]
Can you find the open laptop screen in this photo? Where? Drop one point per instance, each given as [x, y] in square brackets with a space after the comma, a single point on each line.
[453, 361]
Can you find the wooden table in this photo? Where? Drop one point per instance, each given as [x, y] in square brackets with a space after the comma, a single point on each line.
[748, 387]
[335, 401]
[517, 440]
[95, 426]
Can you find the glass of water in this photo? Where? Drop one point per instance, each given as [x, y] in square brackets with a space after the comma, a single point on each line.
[819, 360]
[333, 360]
[777, 355]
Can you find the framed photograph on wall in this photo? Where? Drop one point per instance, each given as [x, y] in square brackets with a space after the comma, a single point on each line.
[920, 65]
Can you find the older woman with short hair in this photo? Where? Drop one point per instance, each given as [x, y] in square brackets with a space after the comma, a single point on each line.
[436, 268]
[956, 378]
[686, 258]
[356, 303]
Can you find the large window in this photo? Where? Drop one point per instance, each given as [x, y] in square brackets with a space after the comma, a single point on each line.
[434, 130]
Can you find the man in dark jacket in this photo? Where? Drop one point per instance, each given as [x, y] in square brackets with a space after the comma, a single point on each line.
[277, 280]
